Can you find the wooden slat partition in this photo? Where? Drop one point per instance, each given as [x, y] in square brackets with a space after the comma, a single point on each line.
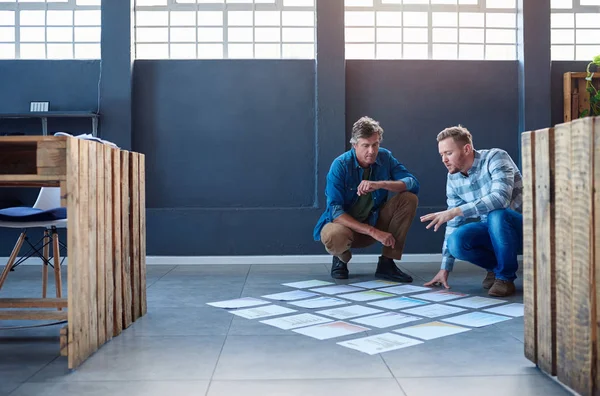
[103, 189]
[561, 257]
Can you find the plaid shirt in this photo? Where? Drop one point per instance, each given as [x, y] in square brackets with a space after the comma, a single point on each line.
[493, 182]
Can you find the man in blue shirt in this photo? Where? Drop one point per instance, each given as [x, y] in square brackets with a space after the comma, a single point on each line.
[358, 212]
[484, 193]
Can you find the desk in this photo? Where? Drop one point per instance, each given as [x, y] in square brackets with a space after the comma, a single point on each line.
[56, 114]
[103, 189]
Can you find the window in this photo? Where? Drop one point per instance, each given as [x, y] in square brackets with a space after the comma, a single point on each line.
[50, 29]
[431, 29]
[218, 29]
[575, 31]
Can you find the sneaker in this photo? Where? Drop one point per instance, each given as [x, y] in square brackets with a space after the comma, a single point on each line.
[386, 269]
[339, 269]
[489, 280]
[502, 288]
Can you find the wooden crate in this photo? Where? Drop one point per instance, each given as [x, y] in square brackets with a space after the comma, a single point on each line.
[561, 230]
[575, 96]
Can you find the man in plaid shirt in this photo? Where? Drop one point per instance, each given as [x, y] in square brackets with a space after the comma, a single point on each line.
[485, 225]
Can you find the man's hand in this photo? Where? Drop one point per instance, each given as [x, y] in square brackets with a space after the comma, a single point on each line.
[441, 279]
[385, 238]
[439, 218]
[367, 186]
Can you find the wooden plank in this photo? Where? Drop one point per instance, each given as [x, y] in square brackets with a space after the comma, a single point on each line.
[529, 275]
[27, 180]
[35, 139]
[567, 101]
[75, 243]
[54, 144]
[582, 231]
[545, 259]
[584, 97]
[125, 240]
[33, 302]
[64, 341]
[29, 314]
[100, 232]
[108, 242]
[117, 243]
[143, 233]
[92, 245]
[134, 218]
[564, 252]
[595, 273]
[55, 158]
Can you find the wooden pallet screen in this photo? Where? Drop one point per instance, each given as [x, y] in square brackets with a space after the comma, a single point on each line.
[575, 96]
[106, 268]
[561, 251]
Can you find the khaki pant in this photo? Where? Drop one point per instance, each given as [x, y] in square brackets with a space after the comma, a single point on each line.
[395, 217]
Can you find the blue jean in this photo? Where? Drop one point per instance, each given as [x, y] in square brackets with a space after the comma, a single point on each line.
[493, 244]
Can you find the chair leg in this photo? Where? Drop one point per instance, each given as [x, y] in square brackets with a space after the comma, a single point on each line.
[45, 263]
[12, 258]
[56, 253]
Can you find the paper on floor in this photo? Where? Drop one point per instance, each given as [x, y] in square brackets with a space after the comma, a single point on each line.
[405, 289]
[433, 310]
[331, 330]
[307, 284]
[477, 302]
[336, 289]
[367, 295]
[379, 343]
[351, 311]
[385, 319]
[319, 302]
[432, 330]
[291, 295]
[398, 303]
[508, 309]
[440, 295]
[262, 312]
[238, 303]
[476, 319]
[374, 284]
[295, 321]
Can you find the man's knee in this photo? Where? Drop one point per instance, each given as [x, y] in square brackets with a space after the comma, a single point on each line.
[336, 238]
[456, 244]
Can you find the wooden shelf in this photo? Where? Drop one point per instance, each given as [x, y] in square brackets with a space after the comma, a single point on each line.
[576, 97]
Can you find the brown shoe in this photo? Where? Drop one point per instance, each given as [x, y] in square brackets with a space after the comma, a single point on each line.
[489, 280]
[502, 288]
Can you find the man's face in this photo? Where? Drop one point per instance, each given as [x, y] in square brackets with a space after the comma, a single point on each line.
[367, 150]
[454, 155]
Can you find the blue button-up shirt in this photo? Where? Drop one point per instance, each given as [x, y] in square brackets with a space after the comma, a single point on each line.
[346, 174]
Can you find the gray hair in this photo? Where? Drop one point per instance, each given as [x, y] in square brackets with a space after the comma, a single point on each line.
[364, 128]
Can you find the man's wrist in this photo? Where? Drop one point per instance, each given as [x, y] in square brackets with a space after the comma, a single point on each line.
[456, 212]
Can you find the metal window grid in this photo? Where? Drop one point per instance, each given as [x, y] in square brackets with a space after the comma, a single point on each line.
[576, 8]
[68, 5]
[277, 5]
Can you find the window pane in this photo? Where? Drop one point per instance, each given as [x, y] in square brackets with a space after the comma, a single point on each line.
[501, 36]
[415, 19]
[298, 35]
[388, 18]
[145, 35]
[7, 34]
[32, 34]
[267, 18]
[500, 52]
[239, 18]
[389, 35]
[445, 51]
[298, 18]
[239, 35]
[7, 51]
[32, 51]
[210, 51]
[240, 51]
[415, 51]
[60, 51]
[471, 19]
[210, 18]
[210, 34]
[152, 51]
[562, 36]
[60, 18]
[501, 20]
[472, 35]
[87, 34]
[7, 18]
[561, 4]
[267, 35]
[562, 52]
[359, 18]
[445, 35]
[444, 19]
[184, 35]
[562, 20]
[591, 20]
[183, 51]
[88, 18]
[360, 35]
[151, 18]
[360, 51]
[586, 52]
[415, 35]
[389, 51]
[32, 18]
[183, 18]
[298, 51]
[60, 34]
[471, 52]
[267, 51]
[501, 3]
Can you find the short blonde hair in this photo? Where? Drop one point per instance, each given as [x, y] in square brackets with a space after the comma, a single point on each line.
[459, 134]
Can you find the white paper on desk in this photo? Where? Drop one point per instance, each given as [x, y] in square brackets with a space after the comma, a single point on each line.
[379, 343]
[374, 284]
[433, 310]
[238, 303]
[307, 284]
[367, 295]
[319, 302]
[398, 303]
[405, 289]
[336, 289]
[440, 295]
[508, 309]
[295, 321]
[432, 330]
[351, 311]
[290, 295]
[385, 319]
[262, 312]
[331, 330]
[476, 319]
[476, 302]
